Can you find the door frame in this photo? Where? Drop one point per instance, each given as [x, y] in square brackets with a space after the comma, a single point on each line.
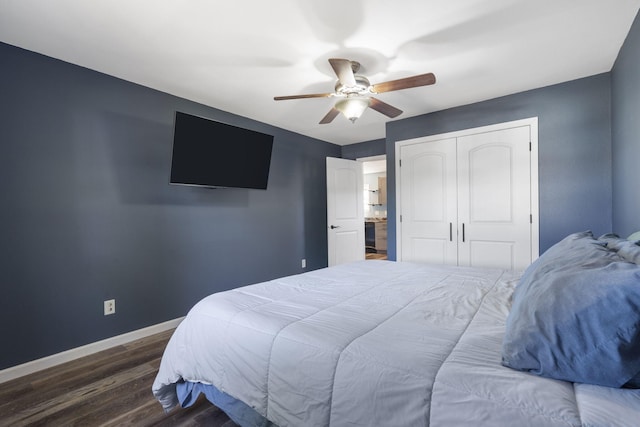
[535, 205]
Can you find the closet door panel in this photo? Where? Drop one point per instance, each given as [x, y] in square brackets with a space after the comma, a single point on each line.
[494, 204]
[431, 250]
[485, 253]
[428, 201]
[490, 184]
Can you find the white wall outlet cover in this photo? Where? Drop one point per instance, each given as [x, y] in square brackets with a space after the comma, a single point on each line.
[109, 307]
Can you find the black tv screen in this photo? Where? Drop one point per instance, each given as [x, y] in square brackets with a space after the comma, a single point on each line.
[213, 154]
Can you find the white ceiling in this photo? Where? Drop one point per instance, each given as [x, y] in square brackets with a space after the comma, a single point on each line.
[237, 55]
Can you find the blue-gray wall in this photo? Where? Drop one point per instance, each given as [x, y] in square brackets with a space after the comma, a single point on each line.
[626, 134]
[372, 148]
[574, 148]
[86, 212]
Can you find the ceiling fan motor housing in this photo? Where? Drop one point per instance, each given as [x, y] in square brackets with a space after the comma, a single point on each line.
[360, 88]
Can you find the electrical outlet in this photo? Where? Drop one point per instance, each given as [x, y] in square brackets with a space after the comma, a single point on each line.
[304, 263]
[109, 307]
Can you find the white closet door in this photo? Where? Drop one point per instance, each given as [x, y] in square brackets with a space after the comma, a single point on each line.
[494, 199]
[428, 202]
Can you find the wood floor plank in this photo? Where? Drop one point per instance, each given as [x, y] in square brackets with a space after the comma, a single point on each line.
[101, 407]
[159, 339]
[110, 388]
[74, 365]
[77, 396]
[148, 413]
[72, 379]
[99, 366]
[14, 386]
[8, 393]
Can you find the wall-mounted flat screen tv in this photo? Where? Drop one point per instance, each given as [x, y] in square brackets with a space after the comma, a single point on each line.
[213, 154]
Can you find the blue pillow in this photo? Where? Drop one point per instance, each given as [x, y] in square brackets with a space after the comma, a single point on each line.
[633, 382]
[575, 249]
[576, 316]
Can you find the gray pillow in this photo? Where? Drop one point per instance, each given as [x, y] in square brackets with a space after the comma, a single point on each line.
[576, 315]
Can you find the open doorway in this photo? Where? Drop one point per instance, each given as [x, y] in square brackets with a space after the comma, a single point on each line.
[374, 171]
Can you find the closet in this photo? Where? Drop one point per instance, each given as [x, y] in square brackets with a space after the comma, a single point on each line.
[467, 198]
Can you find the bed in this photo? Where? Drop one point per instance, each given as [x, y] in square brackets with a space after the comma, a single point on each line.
[410, 344]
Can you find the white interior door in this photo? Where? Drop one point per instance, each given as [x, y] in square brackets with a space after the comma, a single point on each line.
[494, 209]
[345, 211]
[428, 202]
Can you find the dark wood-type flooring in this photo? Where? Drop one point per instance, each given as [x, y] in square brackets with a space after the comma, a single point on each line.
[110, 388]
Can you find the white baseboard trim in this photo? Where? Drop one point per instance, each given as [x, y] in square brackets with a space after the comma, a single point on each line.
[17, 371]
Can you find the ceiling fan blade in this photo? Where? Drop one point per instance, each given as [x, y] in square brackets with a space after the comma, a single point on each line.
[342, 68]
[406, 83]
[310, 95]
[330, 116]
[384, 108]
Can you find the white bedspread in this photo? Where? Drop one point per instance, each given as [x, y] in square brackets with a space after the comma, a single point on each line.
[372, 343]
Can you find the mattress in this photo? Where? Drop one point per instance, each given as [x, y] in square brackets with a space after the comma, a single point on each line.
[375, 343]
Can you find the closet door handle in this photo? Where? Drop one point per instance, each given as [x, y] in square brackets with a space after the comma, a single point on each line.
[463, 232]
[451, 232]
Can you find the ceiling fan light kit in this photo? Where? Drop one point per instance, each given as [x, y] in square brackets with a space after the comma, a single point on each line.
[356, 92]
[352, 108]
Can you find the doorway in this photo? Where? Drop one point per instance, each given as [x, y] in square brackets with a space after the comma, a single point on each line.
[374, 171]
[354, 206]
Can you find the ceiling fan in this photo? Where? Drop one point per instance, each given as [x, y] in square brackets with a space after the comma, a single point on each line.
[355, 91]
